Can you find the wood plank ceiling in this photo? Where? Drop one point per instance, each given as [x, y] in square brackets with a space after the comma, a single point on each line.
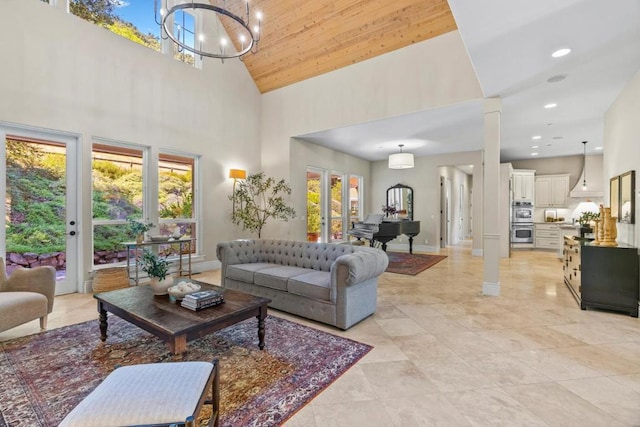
[305, 38]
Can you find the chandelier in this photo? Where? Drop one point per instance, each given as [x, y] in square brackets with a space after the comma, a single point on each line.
[227, 24]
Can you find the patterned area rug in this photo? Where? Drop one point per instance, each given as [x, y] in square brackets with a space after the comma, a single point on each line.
[412, 264]
[46, 375]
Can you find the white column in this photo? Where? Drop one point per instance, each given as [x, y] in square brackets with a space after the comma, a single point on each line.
[491, 108]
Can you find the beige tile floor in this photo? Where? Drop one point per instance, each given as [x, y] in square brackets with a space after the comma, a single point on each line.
[444, 355]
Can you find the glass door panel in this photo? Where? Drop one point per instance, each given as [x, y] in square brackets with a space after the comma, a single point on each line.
[315, 218]
[337, 217]
[40, 223]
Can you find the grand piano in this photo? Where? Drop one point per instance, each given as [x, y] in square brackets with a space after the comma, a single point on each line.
[376, 228]
[390, 229]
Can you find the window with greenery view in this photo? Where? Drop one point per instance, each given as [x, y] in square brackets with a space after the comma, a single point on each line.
[133, 20]
[175, 195]
[117, 180]
[35, 197]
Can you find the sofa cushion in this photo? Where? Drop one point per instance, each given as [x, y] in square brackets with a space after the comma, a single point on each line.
[276, 278]
[245, 272]
[316, 284]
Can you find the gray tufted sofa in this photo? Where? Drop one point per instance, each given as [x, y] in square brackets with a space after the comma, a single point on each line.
[330, 283]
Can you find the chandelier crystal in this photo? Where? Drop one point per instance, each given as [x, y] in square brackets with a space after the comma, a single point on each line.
[234, 34]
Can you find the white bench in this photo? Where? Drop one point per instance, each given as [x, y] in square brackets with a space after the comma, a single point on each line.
[155, 394]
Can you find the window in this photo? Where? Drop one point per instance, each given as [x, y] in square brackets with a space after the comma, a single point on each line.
[184, 28]
[117, 176]
[133, 20]
[176, 188]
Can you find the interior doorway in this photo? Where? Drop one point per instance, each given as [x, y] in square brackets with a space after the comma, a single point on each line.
[39, 217]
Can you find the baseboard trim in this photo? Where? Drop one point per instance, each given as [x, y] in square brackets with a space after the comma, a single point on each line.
[491, 289]
[477, 252]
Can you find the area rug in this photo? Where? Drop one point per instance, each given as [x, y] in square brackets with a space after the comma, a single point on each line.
[411, 264]
[46, 375]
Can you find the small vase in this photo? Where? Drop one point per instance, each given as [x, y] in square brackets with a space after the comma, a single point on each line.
[139, 238]
[159, 287]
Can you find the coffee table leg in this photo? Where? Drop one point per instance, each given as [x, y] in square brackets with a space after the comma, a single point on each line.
[261, 332]
[103, 322]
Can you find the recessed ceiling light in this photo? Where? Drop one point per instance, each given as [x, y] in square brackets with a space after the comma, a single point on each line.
[598, 148]
[551, 105]
[536, 137]
[470, 166]
[534, 146]
[534, 154]
[557, 78]
[561, 52]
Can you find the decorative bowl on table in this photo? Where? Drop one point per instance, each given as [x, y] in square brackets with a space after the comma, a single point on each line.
[160, 238]
[182, 289]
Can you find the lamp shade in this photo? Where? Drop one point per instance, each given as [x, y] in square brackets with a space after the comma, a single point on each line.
[583, 207]
[237, 173]
[401, 161]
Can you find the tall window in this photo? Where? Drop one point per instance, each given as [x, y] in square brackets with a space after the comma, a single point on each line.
[184, 28]
[176, 187]
[117, 174]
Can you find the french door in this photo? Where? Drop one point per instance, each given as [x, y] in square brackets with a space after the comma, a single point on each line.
[39, 219]
[333, 201]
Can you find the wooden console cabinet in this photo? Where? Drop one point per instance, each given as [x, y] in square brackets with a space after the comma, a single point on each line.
[602, 277]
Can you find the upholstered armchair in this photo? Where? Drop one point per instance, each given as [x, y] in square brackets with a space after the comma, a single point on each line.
[26, 295]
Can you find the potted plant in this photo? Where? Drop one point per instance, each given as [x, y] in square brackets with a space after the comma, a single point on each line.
[138, 229]
[158, 270]
[585, 222]
[257, 199]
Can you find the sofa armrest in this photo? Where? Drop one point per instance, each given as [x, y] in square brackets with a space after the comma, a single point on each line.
[236, 251]
[360, 266]
[38, 279]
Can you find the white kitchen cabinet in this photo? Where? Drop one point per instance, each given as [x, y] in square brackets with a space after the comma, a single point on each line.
[547, 236]
[551, 191]
[523, 185]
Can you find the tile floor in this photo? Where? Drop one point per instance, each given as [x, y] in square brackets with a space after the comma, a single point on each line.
[444, 355]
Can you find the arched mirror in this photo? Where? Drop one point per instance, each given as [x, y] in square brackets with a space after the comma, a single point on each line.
[400, 197]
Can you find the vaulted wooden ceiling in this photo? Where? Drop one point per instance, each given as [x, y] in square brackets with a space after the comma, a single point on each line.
[305, 38]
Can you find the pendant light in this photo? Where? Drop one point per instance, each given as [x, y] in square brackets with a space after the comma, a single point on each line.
[401, 160]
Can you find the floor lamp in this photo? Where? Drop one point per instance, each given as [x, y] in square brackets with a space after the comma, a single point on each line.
[236, 174]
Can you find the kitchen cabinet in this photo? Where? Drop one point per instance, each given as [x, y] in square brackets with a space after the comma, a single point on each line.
[602, 277]
[523, 185]
[551, 191]
[547, 236]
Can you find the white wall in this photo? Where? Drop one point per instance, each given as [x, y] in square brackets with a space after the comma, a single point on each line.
[61, 72]
[622, 148]
[425, 180]
[422, 76]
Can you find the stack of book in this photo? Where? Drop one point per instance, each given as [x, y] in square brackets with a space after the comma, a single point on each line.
[201, 300]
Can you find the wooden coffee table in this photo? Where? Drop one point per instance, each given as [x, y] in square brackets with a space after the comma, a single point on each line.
[176, 325]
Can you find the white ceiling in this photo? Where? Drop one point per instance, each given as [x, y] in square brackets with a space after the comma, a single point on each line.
[510, 44]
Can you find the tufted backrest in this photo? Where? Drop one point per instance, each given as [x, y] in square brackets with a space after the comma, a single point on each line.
[317, 256]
